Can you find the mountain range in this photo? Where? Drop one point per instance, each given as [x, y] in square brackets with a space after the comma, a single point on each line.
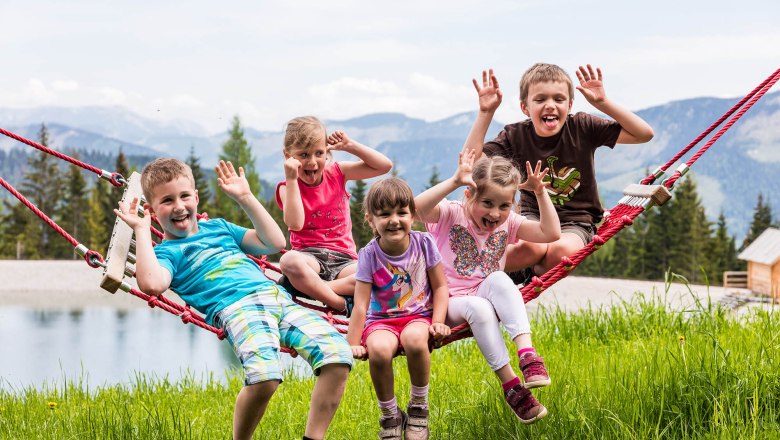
[744, 162]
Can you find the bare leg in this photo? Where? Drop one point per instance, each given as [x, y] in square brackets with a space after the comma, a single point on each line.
[251, 403]
[565, 247]
[524, 254]
[414, 338]
[523, 341]
[505, 373]
[325, 399]
[303, 273]
[382, 346]
[344, 284]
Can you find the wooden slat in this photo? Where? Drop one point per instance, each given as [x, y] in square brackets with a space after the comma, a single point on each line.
[657, 193]
[735, 279]
[119, 247]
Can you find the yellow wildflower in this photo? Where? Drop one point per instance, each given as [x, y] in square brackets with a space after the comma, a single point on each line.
[52, 405]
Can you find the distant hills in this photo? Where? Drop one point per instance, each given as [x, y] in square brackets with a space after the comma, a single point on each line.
[741, 164]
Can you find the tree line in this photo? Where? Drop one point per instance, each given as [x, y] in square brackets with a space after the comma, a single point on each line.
[677, 236]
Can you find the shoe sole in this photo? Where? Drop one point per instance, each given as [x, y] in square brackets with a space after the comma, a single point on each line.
[538, 384]
[542, 414]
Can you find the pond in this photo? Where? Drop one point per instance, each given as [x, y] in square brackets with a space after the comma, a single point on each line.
[105, 346]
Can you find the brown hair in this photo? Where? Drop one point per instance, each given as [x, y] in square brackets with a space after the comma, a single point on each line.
[302, 133]
[389, 193]
[543, 72]
[494, 170]
[161, 171]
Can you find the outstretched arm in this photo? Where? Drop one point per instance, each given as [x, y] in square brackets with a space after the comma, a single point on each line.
[441, 294]
[490, 97]
[152, 278]
[634, 129]
[548, 228]
[371, 164]
[266, 238]
[427, 202]
[358, 319]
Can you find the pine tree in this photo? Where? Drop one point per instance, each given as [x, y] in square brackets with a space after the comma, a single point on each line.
[723, 252]
[72, 215]
[100, 201]
[435, 179]
[236, 150]
[41, 187]
[762, 219]
[14, 224]
[361, 231]
[201, 182]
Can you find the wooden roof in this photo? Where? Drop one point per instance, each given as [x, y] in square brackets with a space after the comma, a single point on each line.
[765, 249]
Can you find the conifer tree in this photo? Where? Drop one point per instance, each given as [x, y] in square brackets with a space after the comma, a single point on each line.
[99, 203]
[361, 231]
[237, 150]
[762, 219]
[723, 252]
[41, 186]
[72, 215]
[14, 225]
[201, 182]
[435, 179]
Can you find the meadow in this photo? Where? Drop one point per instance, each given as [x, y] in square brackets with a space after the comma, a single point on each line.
[633, 371]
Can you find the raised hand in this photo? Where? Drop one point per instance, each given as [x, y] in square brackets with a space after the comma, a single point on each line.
[535, 181]
[489, 94]
[439, 331]
[130, 215]
[591, 85]
[462, 175]
[292, 167]
[338, 140]
[233, 184]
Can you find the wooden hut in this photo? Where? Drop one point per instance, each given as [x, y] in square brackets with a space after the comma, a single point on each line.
[763, 263]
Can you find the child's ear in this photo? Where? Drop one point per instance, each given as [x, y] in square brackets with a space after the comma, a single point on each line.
[468, 192]
[524, 108]
[148, 206]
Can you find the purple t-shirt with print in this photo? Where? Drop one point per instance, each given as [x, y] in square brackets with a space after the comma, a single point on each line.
[400, 284]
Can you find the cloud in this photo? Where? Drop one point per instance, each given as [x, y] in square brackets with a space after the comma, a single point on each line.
[111, 96]
[64, 85]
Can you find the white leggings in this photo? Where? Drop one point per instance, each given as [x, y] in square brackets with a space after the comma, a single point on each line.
[497, 295]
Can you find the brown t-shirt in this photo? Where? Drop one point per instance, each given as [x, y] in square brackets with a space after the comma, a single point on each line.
[569, 155]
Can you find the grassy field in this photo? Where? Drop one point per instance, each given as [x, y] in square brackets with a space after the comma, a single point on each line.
[635, 371]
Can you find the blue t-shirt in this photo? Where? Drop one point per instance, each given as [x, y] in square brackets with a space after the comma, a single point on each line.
[400, 285]
[209, 271]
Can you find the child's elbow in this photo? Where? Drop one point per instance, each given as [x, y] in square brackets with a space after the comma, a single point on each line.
[647, 136]
[386, 166]
[278, 244]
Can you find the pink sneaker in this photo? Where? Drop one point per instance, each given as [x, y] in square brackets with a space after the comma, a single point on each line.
[524, 404]
[534, 373]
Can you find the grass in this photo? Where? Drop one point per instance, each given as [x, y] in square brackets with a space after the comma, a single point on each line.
[634, 371]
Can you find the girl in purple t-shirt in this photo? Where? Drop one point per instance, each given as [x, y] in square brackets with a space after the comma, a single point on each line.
[315, 202]
[473, 236]
[400, 302]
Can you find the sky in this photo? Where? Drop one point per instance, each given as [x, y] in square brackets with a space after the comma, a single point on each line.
[268, 62]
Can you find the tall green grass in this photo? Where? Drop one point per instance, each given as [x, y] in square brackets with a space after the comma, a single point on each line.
[634, 371]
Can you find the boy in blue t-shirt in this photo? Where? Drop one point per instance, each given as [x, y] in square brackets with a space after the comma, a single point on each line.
[206, 265]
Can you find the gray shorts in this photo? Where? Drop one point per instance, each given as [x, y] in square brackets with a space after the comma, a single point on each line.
[584, 230]
[331, 264]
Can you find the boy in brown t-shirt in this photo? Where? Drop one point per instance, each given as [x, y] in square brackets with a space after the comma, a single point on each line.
[565, 143]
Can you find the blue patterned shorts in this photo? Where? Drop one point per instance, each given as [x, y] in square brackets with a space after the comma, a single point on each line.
[259, 324]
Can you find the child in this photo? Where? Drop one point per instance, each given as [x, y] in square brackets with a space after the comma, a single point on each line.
[206, 264]
[401, 298]
[473, 236]
[566, 143]
[316, 210]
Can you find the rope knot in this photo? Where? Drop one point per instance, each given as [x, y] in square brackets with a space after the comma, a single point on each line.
[186, 316]
[221, 334]
[598, 241]
[627, 220]
[567, 263]
[152, 301]
[537, 284]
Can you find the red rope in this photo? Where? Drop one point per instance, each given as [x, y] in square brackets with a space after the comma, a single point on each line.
[116, 179]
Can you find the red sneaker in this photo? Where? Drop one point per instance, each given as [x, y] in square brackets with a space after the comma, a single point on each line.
[524, 404]
[534, 373]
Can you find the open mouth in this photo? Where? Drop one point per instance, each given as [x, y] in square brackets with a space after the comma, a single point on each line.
[550, 121]
[489, 224]
[310, 174]
[180, 221]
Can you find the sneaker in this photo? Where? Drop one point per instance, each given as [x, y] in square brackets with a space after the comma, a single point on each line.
[417, 425]
[522, 277]
[524, 404]
[392, 427]
[534, 373]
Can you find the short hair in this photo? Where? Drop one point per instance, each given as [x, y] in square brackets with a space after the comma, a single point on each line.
[544, 72]
[495, 170]
[303, 132]
[389, 193]
[161, 171]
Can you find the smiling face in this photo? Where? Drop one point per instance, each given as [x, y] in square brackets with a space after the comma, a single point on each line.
[175, 203]
[313, 160]
[491, 207]
[393, 226]
[547, 104]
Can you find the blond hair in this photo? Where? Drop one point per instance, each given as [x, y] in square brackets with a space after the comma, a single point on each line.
[302, 133]
[495, 170]
[161, 171]
[543, 72]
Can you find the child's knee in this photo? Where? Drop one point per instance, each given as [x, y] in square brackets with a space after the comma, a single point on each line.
[261, 392]
[381, 351]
